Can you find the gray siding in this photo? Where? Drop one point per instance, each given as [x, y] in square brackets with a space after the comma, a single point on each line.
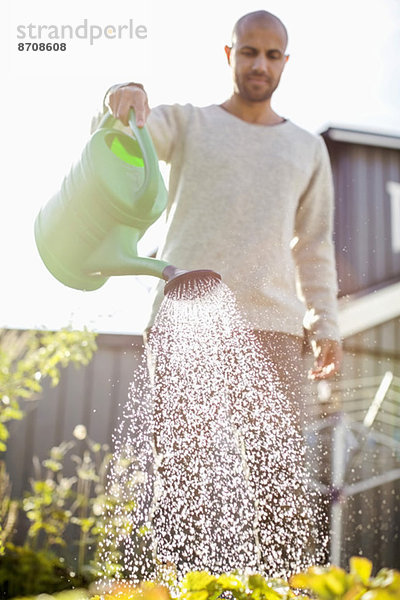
[371, 520]
[364, 253]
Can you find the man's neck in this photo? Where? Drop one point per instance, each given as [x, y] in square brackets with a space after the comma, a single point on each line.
[259, 113]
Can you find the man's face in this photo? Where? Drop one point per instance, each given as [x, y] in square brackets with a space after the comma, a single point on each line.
[257, 59]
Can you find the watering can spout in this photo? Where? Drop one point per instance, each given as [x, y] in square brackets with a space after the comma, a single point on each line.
[117, 255]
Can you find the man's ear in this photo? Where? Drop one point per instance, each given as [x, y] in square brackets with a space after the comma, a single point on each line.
[228, 53]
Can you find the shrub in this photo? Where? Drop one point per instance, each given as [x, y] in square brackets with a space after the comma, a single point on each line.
[23, 572]
[29, 357]
[57, 501]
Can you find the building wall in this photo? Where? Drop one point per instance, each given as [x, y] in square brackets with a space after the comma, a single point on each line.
[366, 252]
[371, 519]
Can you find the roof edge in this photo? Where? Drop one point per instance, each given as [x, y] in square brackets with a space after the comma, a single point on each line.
[359, 314]
[357, 136]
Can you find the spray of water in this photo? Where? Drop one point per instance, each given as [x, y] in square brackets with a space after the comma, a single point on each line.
[208, 470]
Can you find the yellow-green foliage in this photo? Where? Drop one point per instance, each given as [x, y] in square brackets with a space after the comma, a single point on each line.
[8, 508]
[198, 585]
[333, 583]
[321, 583]
[29, 357]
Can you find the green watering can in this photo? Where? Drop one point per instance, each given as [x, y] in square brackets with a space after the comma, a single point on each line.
[90, 229]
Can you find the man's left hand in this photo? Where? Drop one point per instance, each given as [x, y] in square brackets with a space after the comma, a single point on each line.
[328, 358]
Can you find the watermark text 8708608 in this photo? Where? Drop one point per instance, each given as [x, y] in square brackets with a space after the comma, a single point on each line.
[42, 46]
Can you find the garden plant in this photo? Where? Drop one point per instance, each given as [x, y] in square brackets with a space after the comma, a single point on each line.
[320, 583]
[69, 500]
[27, 359]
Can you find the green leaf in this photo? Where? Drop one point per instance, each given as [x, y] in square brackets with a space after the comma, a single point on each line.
[45, 487]
[87, 474]
[356, 592]
[53, 465]
[385, 585]
[11, 413]
[196, 595]
[261, 588]
[230, 582]
[22, 393]
[197, 580]
[32, 385]
[84, 524]
[384, 578]
[336, 581]
[361, 568]
[314, 581]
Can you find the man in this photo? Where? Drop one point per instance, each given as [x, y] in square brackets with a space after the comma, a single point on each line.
[251, 197]
[270, 151]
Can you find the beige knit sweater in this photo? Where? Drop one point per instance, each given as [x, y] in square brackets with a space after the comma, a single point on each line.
[255, 204]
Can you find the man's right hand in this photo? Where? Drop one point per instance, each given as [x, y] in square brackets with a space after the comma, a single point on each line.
[121, 98]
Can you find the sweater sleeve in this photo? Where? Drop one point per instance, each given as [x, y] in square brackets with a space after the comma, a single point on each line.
[313, 250]
[167, 124]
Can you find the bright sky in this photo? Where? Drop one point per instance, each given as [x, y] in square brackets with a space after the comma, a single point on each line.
[344, 69]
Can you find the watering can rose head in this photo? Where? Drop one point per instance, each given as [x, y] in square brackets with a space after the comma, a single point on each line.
[189, 284]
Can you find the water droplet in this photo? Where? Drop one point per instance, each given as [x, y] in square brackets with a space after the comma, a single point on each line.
[208, 471]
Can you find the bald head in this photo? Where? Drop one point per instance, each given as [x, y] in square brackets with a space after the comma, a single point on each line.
[258, 17]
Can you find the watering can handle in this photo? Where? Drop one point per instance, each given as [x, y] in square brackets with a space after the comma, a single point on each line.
[151, 174]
